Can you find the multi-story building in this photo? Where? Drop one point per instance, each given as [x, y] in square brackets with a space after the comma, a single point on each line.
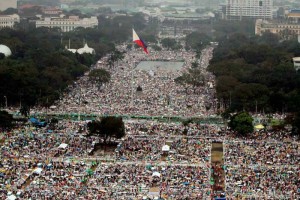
[4, 4]
[52, 11]
[67, 24]
[293, 16]
[257, 9]
[9, 20]
[283, 29]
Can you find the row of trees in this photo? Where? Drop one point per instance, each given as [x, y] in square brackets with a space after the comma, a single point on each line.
[256, 74]
[40, 68]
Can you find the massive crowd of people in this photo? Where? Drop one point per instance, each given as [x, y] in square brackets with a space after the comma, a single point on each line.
[155, 159]
[33, 164]
[263, 168]
[160, 95]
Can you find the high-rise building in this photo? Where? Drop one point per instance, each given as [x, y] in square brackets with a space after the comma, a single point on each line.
[240, 9]
[4, 4]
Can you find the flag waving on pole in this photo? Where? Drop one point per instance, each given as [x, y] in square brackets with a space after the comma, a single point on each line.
[138, 41]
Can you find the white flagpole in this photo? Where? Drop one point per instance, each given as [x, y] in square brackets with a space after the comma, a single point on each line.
[132, 67]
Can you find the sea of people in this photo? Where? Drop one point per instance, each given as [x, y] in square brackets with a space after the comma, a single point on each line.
[34, 166]
[155, 159]
[160, 95]
[265, 166]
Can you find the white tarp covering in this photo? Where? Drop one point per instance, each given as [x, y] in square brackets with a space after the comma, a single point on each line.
[38, 170]
[156, 174]
[11, 197]
[166, 148]
[63, 146]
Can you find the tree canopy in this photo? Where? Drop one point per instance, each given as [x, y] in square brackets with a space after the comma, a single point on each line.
[99, 76]
[255, 74]
[108, 128]
[40, 67]
[170, 43]
[197, 41]
[241, 123]
[194, 77]
[6, 120]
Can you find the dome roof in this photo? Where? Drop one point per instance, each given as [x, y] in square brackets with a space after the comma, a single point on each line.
[86, 49]
[5, 50]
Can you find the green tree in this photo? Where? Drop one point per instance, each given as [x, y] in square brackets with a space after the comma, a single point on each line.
[6, 120]
[196, 41]
[226, 115]
[99, 76]
[186, 123]
[115, 56]
[9, 11]
[193, 77]
[156, 48]
[53, 123]
[170, 43]
[25, 110]
[183, 80]
[293, 119]
[108, 128]
[241, 123]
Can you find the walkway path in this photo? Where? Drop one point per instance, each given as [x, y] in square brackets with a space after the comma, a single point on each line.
[217, 170]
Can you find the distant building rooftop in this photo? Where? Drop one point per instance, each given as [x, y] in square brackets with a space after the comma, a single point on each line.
[295, 11]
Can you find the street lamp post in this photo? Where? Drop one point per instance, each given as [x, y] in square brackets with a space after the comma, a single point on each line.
[132, 82]
[5, 101]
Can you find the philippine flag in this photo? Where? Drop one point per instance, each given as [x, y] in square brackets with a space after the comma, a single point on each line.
[138, 41]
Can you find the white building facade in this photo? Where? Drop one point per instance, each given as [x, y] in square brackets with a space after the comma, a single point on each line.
[9, 20]
[296, 61]
[257, 9]
[67, 24]
[284, 29]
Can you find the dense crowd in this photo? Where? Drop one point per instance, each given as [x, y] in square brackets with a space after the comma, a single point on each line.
[160, 95]
[264, 165]
[154, 159]
[34, 167]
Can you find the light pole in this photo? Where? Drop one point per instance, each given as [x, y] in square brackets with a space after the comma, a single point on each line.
[5, 101]
[132, 83]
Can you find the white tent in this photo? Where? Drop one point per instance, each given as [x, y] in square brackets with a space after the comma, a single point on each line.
[11, 197]
[166, 148]
[38, 170]
[63, 146]
[156, 174]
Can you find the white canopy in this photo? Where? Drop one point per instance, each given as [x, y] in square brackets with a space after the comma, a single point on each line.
[156, 174]
[38, 170]
[166, 148]
[11, 197]
[63, 146]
